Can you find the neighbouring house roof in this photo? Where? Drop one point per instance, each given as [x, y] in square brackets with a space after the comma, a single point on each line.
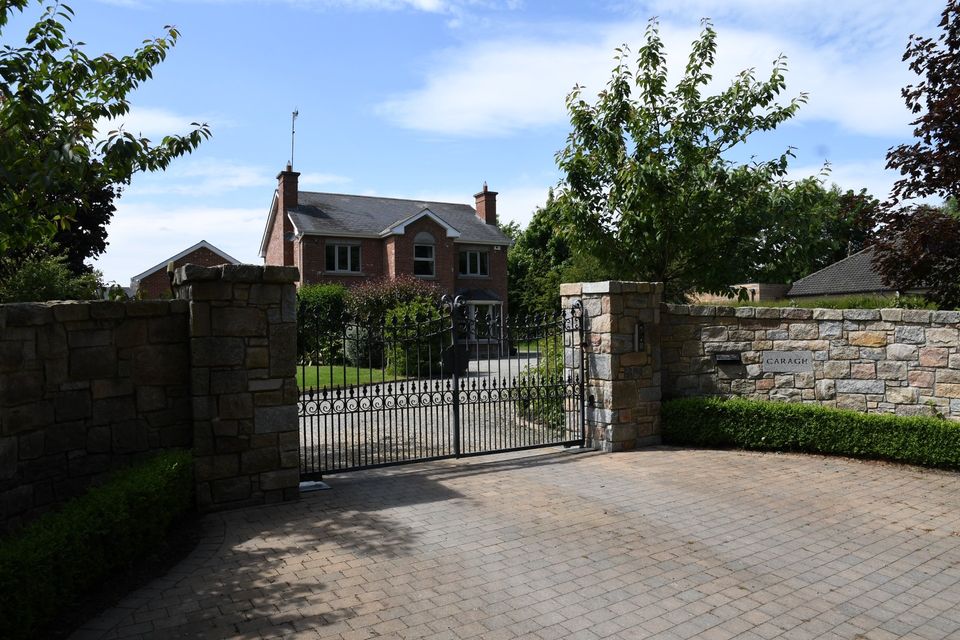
[203, 244]
[853, 274]
[344, 215]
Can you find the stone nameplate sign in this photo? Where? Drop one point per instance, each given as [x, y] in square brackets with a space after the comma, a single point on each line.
[783, 361]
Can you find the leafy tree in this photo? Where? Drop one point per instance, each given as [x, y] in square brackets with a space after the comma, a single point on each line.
[931, 165]
[649, 189]
[541, 259]
[42, 275]
[918, 246]
[511, 229]
[86, 235]
[808, 227]
[52, 98]
[952, 207]
[534, 262]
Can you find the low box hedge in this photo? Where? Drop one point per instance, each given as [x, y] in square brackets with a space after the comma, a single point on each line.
[778, 426]
[48, 564]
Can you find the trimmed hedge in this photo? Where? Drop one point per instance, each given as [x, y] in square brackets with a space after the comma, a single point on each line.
[67, 552]
[369, 301]
[542, 388]
[320, 313]
[777, 426]
[416, 335]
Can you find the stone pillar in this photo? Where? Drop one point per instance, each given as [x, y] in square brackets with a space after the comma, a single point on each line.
[243, 345]
[623, 364]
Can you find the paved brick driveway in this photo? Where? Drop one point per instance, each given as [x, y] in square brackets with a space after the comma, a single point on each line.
[656, 543]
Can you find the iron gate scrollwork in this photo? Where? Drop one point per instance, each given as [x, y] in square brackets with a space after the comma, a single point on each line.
[437, 382]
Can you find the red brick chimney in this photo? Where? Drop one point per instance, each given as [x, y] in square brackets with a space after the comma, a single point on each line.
[287, 187]
[487, 205]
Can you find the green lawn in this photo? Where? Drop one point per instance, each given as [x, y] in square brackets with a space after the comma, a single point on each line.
[535, 345]
[338, 376]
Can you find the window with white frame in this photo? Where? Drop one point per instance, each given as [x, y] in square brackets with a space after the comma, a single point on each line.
[343, 258]
[424, 255]
[474, 263]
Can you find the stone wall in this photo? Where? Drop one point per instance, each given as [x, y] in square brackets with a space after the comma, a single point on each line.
[638, 350]
[622, 324]
[891, 360]
[243, 355]
[86, 387]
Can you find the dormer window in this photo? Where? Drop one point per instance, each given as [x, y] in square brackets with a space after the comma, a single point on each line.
[424, 255]
[474, 263]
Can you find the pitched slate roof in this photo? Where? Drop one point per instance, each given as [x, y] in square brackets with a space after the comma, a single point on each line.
[854, 274]
[203, 244]
[338, 214]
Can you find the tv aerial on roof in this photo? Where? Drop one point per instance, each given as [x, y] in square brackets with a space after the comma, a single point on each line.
[293, 131]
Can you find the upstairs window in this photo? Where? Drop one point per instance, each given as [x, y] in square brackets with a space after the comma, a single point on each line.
[474, 263]
[343, 258]
[423, 260]
[424, 255]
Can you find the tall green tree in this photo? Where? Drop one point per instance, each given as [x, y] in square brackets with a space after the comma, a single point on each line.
[540, 259]
[53, 96]
[918, 246]
[86, 235]
[649, 186]
[807, 227]
[930, 166]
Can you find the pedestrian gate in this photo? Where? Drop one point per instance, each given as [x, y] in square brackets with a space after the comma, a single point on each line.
[428, 383]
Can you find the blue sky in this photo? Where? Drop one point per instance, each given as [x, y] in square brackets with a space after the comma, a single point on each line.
[430, 98]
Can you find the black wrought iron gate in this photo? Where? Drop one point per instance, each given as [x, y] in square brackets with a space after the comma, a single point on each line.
[427, 383]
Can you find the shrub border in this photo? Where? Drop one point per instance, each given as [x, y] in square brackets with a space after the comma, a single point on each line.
[53, 560]
[780, 426]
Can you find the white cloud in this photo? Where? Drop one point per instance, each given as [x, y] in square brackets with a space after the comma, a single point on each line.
[860, 94]
[142, 235]
[497, 88]
[847, 56]
[311, 180]
[154, 123]
[853, 24]
[428, 6]
[199, 178]
[869, 175]
[213, 177]
[517, 204]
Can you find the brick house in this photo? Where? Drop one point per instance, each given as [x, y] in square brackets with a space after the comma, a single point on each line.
[346, 239]
[155, 283]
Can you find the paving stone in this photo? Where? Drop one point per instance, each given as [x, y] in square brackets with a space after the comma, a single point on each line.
[561, 545]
